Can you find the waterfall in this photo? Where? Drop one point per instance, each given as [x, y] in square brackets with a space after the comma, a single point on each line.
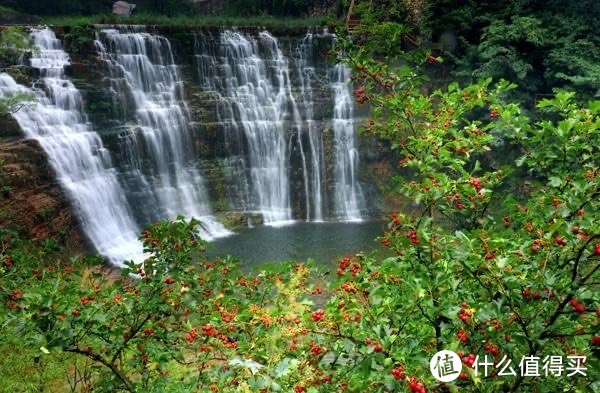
[76, 153]
[348, 197]
[257, 107]
[159, 146]
[306, 72]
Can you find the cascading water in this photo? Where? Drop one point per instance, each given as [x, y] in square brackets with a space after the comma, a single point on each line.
[348, 197]
[260, 106]
[306, 74]
[159, 147]
[251, 77]
[76, 153]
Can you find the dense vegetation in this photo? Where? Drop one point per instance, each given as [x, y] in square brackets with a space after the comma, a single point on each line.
[168, 7]
[482, 267]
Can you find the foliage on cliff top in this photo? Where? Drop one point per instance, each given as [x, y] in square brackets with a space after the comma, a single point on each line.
[183, 20]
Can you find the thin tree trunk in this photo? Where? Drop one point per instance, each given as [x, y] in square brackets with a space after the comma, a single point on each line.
[349, 15]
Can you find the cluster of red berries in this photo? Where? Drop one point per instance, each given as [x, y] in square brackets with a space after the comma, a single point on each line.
[86, 300]
[414, 239]
[16, 295]
[299, 389]
[489, 347]
[228, 342]
[361, 98]
[408, 158]
[344, 264]
[349, 287]
[537, 243]
[315, 349]
[376, 346]
[559, 240]
[555, 202]
[468, 360]
[476, 182]
[455, 199]
[149, 332]
[191, 335]
[398, 373]
[318, 315]
[462, 336]
[209, 330]
[416, 387]
[526, 293]
[464, 314]
[577, 306]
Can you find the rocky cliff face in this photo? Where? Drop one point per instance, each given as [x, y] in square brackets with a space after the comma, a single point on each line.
[31, 201]
[212, 144]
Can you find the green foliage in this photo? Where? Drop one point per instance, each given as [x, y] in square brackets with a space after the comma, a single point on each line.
[503, 44]
[186, 20]
[285, 8]
[270, 7]
[539, 44]
[12, 103]
[14, 42]
[175, 323]
[79, 38]
[516, 280]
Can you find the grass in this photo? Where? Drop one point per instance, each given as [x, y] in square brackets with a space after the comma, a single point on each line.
[184, 20]
[24, 370]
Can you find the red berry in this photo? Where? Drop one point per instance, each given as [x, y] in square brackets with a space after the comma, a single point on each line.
[560, 241]
[597, 249]
[526, 292]
[535, 248]
[318, 315]
[169, 281]
[577, 306]
[575, 229]
[75, 313]
[596, 341]
[378, 348]
[398, 373]
[463, 376]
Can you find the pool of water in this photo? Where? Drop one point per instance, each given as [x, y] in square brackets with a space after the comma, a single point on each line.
[322, 242]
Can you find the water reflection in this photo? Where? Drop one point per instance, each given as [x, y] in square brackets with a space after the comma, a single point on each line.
[322, 242]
